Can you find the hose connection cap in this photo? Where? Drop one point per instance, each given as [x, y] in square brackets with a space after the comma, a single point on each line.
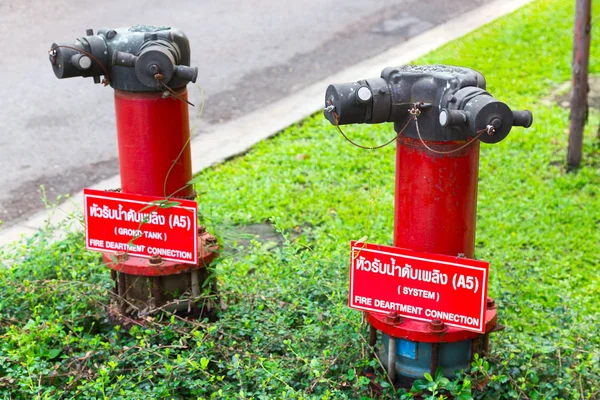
[365, 101]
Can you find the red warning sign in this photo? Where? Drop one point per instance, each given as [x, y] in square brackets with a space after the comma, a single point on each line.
[141, 225]
[420, 286]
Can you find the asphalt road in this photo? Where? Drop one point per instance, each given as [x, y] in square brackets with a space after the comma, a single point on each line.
[61, 133]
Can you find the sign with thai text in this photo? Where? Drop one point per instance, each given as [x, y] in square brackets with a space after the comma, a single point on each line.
[141, 225]
[420, 286]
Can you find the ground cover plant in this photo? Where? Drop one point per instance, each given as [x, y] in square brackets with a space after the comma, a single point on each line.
[286, 331]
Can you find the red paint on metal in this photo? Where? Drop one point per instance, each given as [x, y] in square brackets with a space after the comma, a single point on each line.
[152, 131]
[418, 331]
[155, 160]
[139, 266]
[417, 285]
[436, 197]
[138, 225]
[435, 210]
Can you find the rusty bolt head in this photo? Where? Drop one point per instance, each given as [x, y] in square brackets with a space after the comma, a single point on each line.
[155, 260]
[201, 229]
[437, 325]
[393, 318]
[121, 256]
[211, 240]
[491, 303]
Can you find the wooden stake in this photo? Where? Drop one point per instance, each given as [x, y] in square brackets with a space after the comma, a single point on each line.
[581, 58]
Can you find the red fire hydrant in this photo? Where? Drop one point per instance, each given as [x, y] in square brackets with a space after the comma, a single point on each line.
[440, 114]
[148, 67]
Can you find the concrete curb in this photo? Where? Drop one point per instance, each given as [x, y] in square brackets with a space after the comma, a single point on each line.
[227, 140]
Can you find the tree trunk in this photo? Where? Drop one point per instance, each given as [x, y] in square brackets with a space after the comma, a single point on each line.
[581, 57]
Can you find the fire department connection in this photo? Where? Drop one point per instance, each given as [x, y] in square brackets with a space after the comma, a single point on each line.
[440, 114]
[146, 230]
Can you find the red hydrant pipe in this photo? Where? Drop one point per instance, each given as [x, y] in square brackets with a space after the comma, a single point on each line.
[435, 211]
[154, 150]
[436, 197]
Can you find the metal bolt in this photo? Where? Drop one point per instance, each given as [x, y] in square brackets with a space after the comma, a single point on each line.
[155, 260]
[491, 303]
[210, 240]
[121, 256]
[437, 325]
[153, 69]
[393, 318]
[111, 34]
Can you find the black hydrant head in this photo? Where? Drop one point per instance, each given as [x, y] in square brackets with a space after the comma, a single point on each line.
[453, 103]
[141, 58]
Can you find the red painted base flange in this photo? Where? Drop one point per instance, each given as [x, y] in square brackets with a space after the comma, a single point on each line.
[419, 331]
[208, 249]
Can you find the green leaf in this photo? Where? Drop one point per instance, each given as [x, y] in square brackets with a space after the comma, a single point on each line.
[53, 353]
[204, 363]
[419, 385]
[351, 374]
[439, 373]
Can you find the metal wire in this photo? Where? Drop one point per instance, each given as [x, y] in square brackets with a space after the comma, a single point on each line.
[414, 113]
[336, 116]
[489, 129]
[159, 80]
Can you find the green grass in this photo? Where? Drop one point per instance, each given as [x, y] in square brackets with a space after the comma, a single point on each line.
[287, 332]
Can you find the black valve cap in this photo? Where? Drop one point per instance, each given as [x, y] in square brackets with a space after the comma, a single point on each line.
[522, 118]
[155, 60]
[366, 101]
[343, 104]
[62, 59]
[86, 56]
[484, 110]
